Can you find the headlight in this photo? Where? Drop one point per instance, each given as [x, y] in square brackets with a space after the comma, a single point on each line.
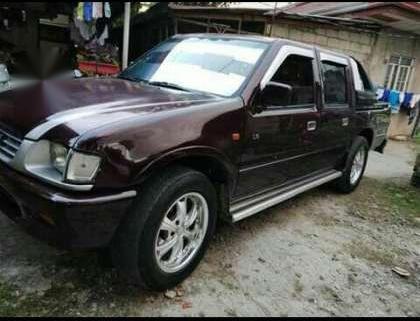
[57, 164]
[82, 168]
[58, 156]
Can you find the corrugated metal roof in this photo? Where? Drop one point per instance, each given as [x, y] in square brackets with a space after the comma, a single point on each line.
[404, 16]
[356, 23]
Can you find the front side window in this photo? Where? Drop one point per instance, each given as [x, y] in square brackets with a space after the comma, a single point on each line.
[334, 78]
[297, 72]
[216, 66]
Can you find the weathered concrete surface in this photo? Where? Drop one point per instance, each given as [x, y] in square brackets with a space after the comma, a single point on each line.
[321, 254]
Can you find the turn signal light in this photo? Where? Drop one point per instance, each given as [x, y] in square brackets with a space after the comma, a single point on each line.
[236, 137]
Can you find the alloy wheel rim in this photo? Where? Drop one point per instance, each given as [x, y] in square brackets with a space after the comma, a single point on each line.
[357, 167]
[181, 232]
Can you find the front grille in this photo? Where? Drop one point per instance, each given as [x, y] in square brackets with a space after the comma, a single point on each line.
[9, 145]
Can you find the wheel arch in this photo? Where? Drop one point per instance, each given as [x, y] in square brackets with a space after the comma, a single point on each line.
[368, 134]
[208, 160]
[216, 166]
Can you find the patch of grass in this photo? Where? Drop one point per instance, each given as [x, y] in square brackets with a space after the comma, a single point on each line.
[417, 138]
[405, 200]
[416, 141]
[8, 301]
[378, 200]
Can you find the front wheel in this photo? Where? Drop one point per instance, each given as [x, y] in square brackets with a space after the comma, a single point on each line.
[168, 230]
[355, 166]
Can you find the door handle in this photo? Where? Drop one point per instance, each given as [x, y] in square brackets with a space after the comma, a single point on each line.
[311, 125]
[345, 121]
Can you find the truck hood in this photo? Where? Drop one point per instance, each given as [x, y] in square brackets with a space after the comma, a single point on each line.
[85, 103]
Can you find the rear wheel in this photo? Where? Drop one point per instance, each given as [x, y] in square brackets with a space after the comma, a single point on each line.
[167, 231]
[355, 166]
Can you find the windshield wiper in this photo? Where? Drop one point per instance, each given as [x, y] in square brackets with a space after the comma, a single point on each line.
[133, 78]
[167, 85]
[153, 83]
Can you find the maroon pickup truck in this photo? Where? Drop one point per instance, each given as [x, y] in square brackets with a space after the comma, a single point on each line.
[200, 128]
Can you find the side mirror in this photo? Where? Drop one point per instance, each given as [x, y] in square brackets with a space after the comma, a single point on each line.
[4, 74]
[276, 94]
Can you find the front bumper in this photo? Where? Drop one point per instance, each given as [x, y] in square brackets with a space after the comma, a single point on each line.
[66, 220]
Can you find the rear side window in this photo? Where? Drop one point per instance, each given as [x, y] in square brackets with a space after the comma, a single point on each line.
[334, 78]
[297, 72]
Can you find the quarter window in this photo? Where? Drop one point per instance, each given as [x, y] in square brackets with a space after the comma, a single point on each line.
[297, 72]
[334, 77]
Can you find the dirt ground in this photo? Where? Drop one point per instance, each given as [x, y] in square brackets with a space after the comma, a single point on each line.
[320, 254]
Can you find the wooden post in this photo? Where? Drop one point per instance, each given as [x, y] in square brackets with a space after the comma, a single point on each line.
[240, 25]
[273, 19]
[126, 34]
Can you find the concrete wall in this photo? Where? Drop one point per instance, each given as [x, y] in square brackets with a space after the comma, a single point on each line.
[357, 43]
[371, 49]
[384, 47]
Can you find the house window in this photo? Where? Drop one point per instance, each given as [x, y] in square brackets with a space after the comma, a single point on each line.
[398, 73]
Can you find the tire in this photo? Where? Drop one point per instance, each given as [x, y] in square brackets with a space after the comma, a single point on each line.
[134, 248]
[346, 183]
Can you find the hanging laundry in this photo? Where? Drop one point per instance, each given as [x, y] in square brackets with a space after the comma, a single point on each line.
[401, 97]
[97, 10]
[394, 100]
[87, 31]
[379, 92]
[385, 96]
[407, 100]
[107, 10]
[87, 11]
[79, 11]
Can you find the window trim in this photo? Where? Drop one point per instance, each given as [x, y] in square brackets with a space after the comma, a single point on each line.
[338, 61]
[333, 58]
[283, 53]
[357, 80]
[283, 111]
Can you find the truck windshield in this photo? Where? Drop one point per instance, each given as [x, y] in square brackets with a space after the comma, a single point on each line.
[216, 66]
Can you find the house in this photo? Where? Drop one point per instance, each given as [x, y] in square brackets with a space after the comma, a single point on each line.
[383, 36]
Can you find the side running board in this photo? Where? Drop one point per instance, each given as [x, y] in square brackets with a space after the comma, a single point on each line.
[252, 206]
